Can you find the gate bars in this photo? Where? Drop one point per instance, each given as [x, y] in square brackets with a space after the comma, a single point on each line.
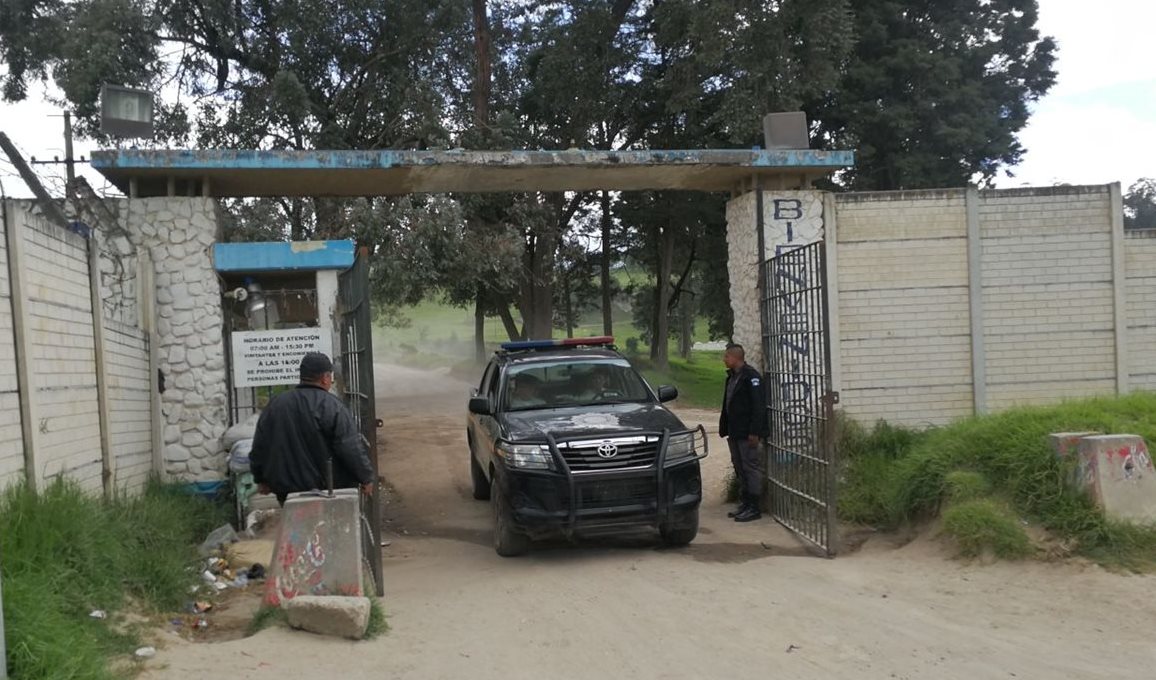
[797, 351]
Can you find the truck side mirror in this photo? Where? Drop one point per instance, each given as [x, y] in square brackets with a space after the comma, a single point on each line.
[480, 406]
[667, 393]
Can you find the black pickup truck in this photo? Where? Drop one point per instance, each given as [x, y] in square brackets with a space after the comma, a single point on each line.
[567, 439]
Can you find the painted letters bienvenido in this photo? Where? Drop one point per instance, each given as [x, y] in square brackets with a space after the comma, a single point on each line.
[793, 364]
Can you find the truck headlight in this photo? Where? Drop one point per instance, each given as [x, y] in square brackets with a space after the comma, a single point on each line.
[526, 456]
[680, 446]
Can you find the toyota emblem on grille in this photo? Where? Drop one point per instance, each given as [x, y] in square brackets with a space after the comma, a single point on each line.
[607, 450]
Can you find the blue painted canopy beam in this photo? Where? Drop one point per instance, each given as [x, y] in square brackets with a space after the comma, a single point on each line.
[280, 256]
[231, 173]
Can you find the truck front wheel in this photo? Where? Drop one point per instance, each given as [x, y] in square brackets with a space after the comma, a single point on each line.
[508, 542]
[680, 528]
[478, 477]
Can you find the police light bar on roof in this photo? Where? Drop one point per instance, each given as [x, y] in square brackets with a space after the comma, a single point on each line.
[600, 341]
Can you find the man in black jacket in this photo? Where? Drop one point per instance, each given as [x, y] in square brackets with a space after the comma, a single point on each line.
[744, 423]
[301, 430]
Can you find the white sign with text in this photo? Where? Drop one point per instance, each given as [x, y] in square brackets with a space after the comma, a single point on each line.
[274, 357]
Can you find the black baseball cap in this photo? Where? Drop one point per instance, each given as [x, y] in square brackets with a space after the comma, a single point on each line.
[315, 365]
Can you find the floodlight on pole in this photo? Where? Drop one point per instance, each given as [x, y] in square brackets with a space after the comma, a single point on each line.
[126, 111]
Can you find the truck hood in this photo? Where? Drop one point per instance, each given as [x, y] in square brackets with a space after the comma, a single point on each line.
[595, 421]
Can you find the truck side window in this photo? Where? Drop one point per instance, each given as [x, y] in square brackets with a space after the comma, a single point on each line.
[492, 388]
[486, 378]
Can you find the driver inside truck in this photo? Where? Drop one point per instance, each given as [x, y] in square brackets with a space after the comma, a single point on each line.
[593, 385]
[527, 392]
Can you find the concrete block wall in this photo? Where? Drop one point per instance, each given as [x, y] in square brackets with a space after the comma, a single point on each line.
[1140, 273]
[126, 359]
[63, 355]
[947, 303]
[1048, 296]
[904, 320]
[58, 324]
[11, 436]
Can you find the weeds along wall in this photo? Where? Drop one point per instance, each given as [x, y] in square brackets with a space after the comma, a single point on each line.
[952, 302]
[50, 410]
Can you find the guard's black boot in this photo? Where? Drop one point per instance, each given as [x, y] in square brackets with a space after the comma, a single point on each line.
[744, 504]
[750, 511]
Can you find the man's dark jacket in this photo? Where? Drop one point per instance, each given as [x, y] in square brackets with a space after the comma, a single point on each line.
[744, 410]
[297, 432]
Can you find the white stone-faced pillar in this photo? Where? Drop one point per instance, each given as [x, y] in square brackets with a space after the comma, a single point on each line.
[790, 220]
[178, 234]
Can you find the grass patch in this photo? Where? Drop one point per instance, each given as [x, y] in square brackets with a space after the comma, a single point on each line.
[965, 485]
[890, 475]
[266, 617]
[867, 479]
[377, 623]
[982, 524]
[700, 380]
[66, 553]
[731, 491]
[275, 616]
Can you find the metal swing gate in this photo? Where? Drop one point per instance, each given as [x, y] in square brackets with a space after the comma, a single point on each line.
[797, 351]
[357, 389]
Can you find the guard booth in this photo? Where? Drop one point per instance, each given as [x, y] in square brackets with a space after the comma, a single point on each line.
[281, 300]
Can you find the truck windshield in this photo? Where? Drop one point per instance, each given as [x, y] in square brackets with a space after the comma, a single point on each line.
[574, 383]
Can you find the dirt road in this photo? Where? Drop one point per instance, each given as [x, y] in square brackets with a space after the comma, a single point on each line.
[725, 607]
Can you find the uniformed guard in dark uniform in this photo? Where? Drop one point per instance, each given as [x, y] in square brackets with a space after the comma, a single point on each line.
[744, 424]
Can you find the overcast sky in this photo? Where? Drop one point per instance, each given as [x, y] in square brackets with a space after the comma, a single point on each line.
[1097, 125]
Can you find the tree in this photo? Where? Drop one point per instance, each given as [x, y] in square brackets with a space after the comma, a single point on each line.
[665, 235]
[714, 292]
[573, 88]
[577, 292]
[930, 92]
[352, 74]
[1140, 205]
[710, 71]
[935, 91]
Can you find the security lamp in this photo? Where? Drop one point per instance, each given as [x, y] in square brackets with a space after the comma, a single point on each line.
[126, 112]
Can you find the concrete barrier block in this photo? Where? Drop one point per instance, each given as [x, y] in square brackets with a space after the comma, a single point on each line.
[1066, 447]
[318, 550]
[1117, 472]
[1067, 444]
[345, 617]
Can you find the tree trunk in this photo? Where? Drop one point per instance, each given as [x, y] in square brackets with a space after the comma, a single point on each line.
[508, 321]
[540, 325]
[297, 223]
[656, 307]
[328, 224]
[607, 251]
[481, 93]
[686, 332]
[660, 345]
[480, 327]
[568, 307]
[537, 304]
[483, 76]
[540, 261]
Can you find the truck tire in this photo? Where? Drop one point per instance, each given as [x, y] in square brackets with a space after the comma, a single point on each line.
[681, 529]
[478, 476]
[507, 541]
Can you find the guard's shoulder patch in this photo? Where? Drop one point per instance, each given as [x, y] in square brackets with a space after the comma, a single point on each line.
[755, 382]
